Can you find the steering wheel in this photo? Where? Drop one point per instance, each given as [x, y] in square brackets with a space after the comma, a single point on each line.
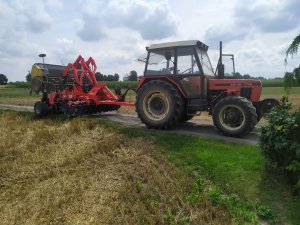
[189, 69]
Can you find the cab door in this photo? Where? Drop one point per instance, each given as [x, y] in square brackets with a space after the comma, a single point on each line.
[188, 73]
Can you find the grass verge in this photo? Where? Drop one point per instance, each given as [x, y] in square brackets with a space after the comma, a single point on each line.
[232, 176]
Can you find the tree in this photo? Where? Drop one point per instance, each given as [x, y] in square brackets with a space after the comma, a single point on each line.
[238, 75]
[110, 77]
[99, 76]
[291, 79]
[3, 79]
[247, 76]
[132, 75]
[293, 48]
[28, 76]
[116, 77]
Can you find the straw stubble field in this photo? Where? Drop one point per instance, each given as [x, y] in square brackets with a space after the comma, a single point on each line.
[58, 171]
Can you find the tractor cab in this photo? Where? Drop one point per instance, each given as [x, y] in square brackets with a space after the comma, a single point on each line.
[183, 62]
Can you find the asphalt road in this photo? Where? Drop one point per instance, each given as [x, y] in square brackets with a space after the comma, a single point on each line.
[193, 127]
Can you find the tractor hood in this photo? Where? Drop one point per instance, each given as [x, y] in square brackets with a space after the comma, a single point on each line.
[250, 89]
[219, 83]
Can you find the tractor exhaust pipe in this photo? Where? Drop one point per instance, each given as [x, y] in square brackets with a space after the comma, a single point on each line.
[220, 64]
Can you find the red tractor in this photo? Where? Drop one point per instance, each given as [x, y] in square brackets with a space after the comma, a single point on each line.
[179, 82]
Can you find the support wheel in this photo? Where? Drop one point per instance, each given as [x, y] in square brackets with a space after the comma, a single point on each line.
[41, 108]
[159, 105]
[234, 116]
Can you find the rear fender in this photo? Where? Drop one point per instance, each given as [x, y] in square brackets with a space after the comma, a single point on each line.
[144, 80]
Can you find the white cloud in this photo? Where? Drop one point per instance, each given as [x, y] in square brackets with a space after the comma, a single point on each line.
[257, 17]
[152, 19]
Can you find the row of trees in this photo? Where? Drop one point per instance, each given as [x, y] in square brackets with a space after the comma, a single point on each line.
[101, 77]
[247, 76]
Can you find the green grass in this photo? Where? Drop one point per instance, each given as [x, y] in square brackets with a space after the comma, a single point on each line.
[12, 92]
[280, 91]
[272, 83]
[237, 171]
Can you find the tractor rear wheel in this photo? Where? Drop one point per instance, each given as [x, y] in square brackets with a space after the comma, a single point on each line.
[159, 105]
[234, 116]
[41, 108]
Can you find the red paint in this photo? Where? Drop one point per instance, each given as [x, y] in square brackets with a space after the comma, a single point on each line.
[233, 86]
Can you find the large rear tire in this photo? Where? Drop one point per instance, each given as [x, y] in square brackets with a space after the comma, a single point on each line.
[159, 105]
[234, 116]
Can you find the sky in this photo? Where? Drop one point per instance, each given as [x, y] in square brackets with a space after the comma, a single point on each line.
[116, 32]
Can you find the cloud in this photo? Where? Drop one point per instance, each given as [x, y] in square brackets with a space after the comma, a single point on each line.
[250, 17]
[226, 34]
[268, 16]
[91, 29]
[64, 40]
[33, 16]
[151, 19]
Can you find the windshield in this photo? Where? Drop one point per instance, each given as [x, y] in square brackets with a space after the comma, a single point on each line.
[205, 62]
[161, 62]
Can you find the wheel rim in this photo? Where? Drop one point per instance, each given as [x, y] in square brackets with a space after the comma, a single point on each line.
[156, 105]
[232, 117]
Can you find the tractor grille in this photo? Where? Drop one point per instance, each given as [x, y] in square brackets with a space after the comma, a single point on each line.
[246, 92]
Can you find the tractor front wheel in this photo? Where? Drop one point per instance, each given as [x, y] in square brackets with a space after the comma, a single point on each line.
[234, 116]
[159, 105]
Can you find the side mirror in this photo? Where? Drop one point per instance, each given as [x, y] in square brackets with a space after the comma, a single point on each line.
[168, 55]
[221, 70]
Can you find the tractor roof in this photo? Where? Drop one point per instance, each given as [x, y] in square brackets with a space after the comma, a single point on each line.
[196, 43]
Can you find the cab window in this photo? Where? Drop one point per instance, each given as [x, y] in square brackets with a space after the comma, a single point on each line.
[186, 61]
[161, 62]
[205, 62]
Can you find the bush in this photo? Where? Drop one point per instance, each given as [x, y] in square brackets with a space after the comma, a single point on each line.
[279, 140]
